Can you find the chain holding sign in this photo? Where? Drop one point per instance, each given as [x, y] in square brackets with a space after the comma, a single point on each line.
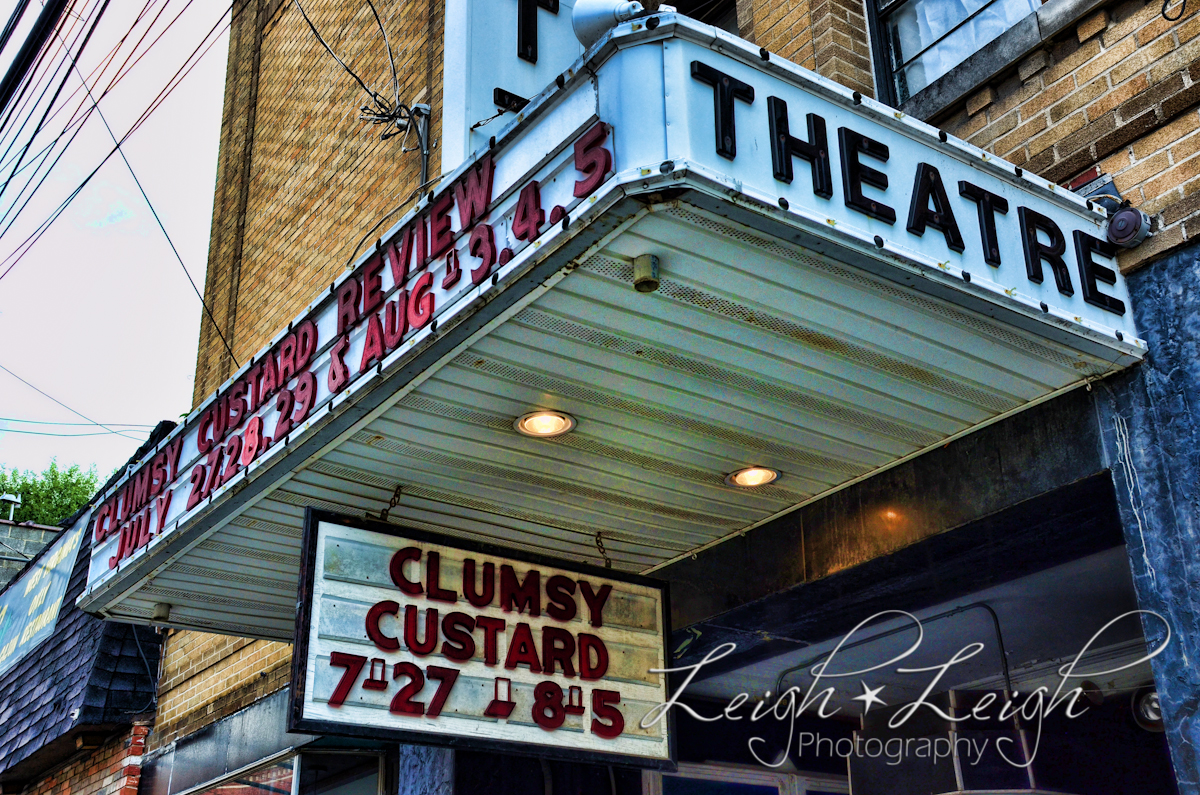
[426, 639]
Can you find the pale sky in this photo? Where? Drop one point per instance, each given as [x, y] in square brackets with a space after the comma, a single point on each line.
[99, 313]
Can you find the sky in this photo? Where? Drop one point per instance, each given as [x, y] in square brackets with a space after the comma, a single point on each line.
[99, 314]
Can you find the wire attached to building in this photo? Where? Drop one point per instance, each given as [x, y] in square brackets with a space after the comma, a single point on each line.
[1182, 10]
[393, 113]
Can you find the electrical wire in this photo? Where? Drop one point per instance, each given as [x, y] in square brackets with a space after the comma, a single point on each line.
[82, 121]
[57, 435]
[105, 62]
[48, 422]
[58, 91]
[16, 136]
[25, 100]
[27, 244]
[64, 405]
[154, 212]
[1182, 10]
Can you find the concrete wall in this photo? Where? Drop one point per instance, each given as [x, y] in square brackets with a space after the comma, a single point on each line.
[17, 540]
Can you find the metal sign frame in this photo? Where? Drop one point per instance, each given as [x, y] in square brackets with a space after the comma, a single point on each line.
[304, 613]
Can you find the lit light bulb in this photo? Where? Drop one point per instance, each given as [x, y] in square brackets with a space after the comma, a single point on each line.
[751, 476]
[544, 423]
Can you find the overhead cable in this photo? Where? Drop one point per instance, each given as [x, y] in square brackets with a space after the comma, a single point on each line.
[64, 405]
[154, 212]
[189, 64]
[61, 85]
[43, 27]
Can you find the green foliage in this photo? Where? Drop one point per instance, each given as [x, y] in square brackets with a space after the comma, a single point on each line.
[50, 497]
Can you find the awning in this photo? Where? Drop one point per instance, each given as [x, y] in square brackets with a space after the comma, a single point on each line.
[795, 326]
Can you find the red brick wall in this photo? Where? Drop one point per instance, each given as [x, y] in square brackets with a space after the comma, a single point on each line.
[114, 768]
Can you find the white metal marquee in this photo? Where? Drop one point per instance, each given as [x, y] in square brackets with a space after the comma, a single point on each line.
[789, 330]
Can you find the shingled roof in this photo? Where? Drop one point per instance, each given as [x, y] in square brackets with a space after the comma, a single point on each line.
[89, 678]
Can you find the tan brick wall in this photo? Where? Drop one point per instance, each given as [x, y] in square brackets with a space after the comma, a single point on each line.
[114, 768]
[827, 36]
[208, 677]
[300, 179]
[1120, 92]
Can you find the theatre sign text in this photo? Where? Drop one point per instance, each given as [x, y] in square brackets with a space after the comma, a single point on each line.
[429, 639]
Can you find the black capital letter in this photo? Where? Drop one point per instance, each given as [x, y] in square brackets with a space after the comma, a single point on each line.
[989, 204]
[725, 90]
[854, 174]
[1090, 271]
[928, 186]
[1036, 251]
[527, 38]
[784, 147]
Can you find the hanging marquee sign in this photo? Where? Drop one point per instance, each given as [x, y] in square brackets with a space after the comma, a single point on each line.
[452, 248]
[422, 638]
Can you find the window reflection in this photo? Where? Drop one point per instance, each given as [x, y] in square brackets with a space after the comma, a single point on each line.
[928, 38]
[274, 780]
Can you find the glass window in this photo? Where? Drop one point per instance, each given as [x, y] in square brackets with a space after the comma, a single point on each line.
[695, 779]
[339, 774]
[317, 773]
[273, 780]
[925, 39]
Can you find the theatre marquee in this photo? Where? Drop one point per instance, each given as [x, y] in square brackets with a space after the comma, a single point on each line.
[841, 288]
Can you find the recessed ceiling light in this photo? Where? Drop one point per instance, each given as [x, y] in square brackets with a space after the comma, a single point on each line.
[544, 423]
[750, 477]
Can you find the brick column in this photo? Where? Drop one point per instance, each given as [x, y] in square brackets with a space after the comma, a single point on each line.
[114, 768]
[827, 36]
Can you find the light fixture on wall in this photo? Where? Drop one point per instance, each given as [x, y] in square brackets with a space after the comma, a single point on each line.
[544, 424]
[1147, 711]
[750, 477]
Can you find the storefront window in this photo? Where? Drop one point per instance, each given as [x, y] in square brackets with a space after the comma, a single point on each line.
[273, 780]
[310, 773]
[339, 774]
[696, 779]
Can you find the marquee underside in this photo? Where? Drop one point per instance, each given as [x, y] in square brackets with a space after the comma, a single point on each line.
[753, 351]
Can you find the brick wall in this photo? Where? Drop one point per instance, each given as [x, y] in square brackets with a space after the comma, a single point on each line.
[114, 768]
[1118, 95]
[300, 179]
[208, 677]
[827, 36]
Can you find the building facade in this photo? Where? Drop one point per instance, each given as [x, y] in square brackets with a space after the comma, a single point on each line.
[977, 408]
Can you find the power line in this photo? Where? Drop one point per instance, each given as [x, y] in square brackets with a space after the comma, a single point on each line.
[99, 71]
[82, 120]
[58, 91]
[59, 435]
[153, 211]
[27, 244]
[86, 424]
[64, 405]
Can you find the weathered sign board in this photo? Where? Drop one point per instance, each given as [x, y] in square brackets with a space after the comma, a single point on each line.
[423, 638]
[29, 606]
